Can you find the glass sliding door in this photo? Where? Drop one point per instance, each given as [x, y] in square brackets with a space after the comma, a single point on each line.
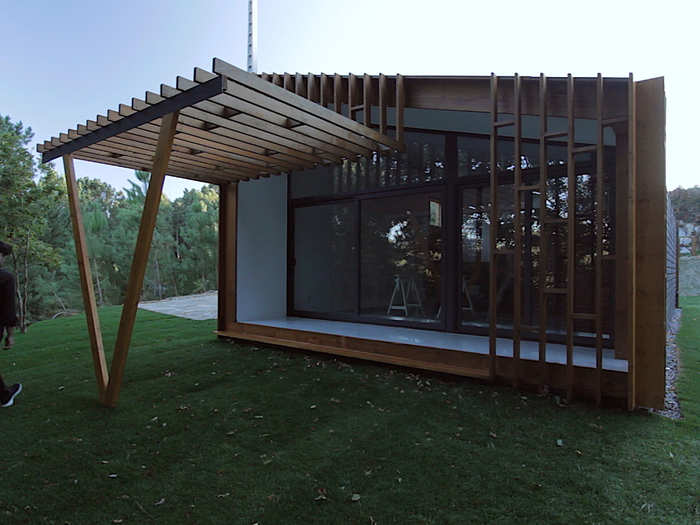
[325, 256]
[474, 257]
[401, 258]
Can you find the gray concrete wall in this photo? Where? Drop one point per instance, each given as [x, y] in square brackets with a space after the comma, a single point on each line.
[262, 249]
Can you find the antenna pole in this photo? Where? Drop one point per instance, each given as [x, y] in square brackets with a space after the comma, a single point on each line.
[252, 36]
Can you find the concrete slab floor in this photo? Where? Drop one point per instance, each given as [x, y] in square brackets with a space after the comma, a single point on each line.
[205, 306]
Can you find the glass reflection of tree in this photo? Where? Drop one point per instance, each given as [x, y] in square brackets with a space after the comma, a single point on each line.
[398, 240]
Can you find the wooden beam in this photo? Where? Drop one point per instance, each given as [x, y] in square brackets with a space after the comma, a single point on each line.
[472, 94]
[493, 226]
[312, 89]
[140, 261]
[631, 247]
[299, 86]
[400, 105]
[93, 320]
[543, 244]
[338, 93]
[352, 89]
[383, 94]
[228, 244]
[253, 125]
[367, 100]
[570, 237]
[188, 98]
[261, 112]
[651, 244]
[599, 212]
[242, 78]
[323, 97]
[518, 232]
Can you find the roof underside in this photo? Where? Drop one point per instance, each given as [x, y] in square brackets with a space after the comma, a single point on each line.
[232, 125]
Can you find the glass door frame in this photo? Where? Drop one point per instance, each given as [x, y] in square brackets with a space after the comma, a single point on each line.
[438, 187]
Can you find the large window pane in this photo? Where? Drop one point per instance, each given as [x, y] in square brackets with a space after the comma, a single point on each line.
[401, 257]
[474, 291]
[325, 253]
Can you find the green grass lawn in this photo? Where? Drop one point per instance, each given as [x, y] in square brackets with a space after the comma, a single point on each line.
[212, 432]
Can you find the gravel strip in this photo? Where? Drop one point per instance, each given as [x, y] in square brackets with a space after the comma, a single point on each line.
[672, 407]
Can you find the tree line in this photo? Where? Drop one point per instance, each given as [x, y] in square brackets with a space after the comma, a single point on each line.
[35, 220]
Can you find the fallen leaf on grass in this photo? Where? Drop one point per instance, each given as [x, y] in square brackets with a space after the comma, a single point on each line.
[159, 502]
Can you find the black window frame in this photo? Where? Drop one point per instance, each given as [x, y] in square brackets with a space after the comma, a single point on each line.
[450, 188]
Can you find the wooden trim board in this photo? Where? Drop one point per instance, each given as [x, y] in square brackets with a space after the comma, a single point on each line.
[462, 363]
[650, 290]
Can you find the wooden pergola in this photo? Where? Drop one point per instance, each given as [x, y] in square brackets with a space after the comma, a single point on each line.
[220, 127]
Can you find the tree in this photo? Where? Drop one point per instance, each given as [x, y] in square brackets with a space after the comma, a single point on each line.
[28, 191]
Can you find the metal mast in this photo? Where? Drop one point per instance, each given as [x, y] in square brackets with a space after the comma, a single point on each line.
[252, 36]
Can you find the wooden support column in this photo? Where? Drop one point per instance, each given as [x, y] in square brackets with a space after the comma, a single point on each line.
[143, 248]
[631, 246]
[383, 94]
[228, 235]
[367, 100]
[571, 238]
[650, 285]
[400, 105]
[338, 93]
[543, 242]
[517, 231]
[323, 97]
[622, 236]
[352, 96]
[599, 232]
[493, 226]
[93, 321]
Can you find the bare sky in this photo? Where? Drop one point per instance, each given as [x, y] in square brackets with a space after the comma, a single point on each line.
[64, 62]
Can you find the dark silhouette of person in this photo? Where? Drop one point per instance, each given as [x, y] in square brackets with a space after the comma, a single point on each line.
[8, 320]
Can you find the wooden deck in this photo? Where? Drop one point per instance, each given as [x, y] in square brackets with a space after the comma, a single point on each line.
[467, 363]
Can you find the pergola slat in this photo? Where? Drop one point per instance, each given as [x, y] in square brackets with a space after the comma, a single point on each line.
[253, 104]
[148, 133]
[232, 125]
[253, 82]
[125, 162]
[168, 106]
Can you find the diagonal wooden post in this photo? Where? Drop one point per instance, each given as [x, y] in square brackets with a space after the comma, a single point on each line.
[143, 248]
[93, 321]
